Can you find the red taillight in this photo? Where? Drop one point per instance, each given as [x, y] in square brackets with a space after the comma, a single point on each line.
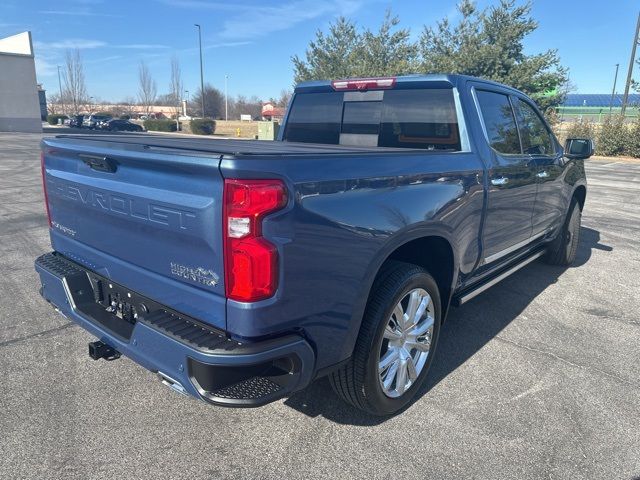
[364, 83]
[44, 187]
[251, 262]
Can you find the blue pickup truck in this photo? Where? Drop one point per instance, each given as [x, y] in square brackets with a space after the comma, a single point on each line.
[240, 271]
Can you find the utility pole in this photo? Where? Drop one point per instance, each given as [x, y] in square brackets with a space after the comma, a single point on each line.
[226, 101]
[613, 92]
[60, 91]
[631, 62]
[201, 70]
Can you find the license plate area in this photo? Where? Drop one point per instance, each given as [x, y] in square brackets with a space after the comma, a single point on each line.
[113, 306]
[117, 300]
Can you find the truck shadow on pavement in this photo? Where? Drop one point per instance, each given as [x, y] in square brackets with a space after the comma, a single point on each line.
[467, 329]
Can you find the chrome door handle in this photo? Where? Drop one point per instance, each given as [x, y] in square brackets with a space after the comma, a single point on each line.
[499, 181]
[542, 174]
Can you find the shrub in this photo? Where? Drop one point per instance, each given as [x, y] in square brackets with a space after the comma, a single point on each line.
[633, 143]
[125, 117]
[582, 129]
[552, 116]
[53, 119]
[203, 126]
[613, 137]
[160, 125]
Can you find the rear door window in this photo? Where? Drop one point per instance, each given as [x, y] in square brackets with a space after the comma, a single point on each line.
[499, 122]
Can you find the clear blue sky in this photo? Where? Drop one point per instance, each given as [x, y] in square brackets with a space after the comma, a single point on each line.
[252, 41]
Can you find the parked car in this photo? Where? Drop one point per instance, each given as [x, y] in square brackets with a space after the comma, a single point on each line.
[241, 270]
[76, 121]
[120, 125]
[93, 121]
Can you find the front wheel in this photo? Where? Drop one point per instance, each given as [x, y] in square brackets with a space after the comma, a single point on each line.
[396, 344]
[562, 250]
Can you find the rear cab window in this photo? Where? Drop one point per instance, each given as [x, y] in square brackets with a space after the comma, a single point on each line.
[421, 118]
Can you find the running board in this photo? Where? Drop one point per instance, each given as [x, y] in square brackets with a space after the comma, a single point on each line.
[465, 296]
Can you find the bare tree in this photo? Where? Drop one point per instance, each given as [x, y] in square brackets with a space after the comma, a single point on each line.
[243, 106]
[176, 87]
[213, 100]
[129, 103]
[147, 90]
[75, 88]
[285, 97]
[54, 104]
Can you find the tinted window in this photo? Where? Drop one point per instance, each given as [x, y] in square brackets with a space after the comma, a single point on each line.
[499, 122]
[536, 138]
[421, 118]
[411, 118]
[315, 118]
[361, 117]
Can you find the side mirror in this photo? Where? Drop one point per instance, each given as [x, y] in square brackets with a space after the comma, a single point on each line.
[578, 148]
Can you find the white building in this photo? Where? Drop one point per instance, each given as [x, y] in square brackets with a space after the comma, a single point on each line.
[19, 103]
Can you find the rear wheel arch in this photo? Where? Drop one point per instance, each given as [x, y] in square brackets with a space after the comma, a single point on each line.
[435, 254]
[432, 251]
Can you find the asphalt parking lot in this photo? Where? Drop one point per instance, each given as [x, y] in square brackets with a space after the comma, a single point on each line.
[536, 378]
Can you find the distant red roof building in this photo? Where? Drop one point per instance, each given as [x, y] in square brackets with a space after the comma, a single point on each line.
[271, 112]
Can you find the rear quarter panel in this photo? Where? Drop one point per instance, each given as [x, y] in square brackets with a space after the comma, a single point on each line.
[345, 215]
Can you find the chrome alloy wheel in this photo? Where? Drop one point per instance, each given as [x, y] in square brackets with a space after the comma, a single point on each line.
[406, 342]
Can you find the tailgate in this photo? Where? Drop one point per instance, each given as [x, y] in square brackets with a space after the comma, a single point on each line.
[148, 218]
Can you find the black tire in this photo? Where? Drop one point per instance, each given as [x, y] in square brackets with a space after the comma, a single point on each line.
[562, 250]
[358, 382]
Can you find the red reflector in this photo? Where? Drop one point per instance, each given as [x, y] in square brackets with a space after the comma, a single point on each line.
[251, 262]
[364, 83]
[44, 187]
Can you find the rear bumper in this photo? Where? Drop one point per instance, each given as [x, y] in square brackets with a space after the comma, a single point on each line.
[189, 356]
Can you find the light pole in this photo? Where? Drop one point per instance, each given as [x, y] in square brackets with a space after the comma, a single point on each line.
[60, 91]
[632, 60]
[186, 94]
[613, 92]
[201, 70]
[90, 105]
[226, 100]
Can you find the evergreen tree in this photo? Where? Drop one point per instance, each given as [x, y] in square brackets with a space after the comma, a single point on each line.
[486, 43]
[389, 51]
[330, 56]
[490, 44]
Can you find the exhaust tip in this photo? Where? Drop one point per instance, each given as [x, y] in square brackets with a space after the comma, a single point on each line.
[171, 383]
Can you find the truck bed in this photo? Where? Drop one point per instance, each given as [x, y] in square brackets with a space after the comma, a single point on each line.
[231, 147]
